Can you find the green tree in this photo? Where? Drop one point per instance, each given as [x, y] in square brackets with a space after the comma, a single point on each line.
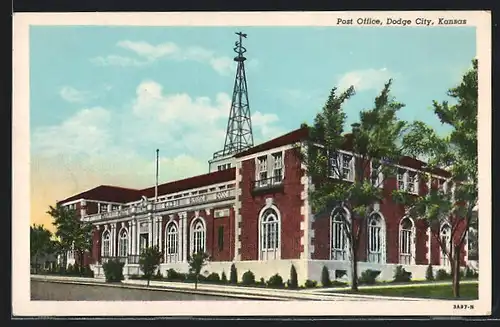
[196, 262]
[40, 243]
[73, 234]
[457, 152]
[375, 140]
[149, 261]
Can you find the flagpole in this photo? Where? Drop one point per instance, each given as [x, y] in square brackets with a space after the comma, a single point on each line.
[156, 185]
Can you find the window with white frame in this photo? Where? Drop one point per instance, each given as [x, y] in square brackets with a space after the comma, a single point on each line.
[172, 244]
[376, 238]
[198, 236]
[106, 244]
[269, 235]
[407, 180]
[342, 166]
[115, 207]
[123, 243]
[262, 170]
[406, 234]
[277, 167]
[445, 236]
[338, 239]
[377, 176]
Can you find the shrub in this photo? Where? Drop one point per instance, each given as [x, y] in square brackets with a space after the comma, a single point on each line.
[340, 273]
[261, 282]
[369, 277]
[134, 276]
[233, 278]
[293, 278]
[429, 274]
[223, 278]
[469, 273]
[401, 275]
[325, 277]
[275, 281]
[173, 275]
[61, 270]
[336, 283]
[213, 277]
[70, 270]
[441, 274]
[113, 271]
[87, 272]
[248, 278]
[310, 283]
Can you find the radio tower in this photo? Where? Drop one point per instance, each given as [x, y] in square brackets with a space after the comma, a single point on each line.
[239, 135]
[239, 126]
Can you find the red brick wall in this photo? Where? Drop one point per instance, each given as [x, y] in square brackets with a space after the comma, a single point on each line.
[287, 200]
[91, 208]
[223, 254]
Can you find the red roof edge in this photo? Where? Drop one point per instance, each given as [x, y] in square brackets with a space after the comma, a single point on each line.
[292, 137]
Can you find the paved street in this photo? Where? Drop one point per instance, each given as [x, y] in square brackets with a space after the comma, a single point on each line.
[51, 291]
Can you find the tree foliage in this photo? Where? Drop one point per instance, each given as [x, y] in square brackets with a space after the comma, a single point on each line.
[41, 243]
[149, 261]
[375, 137]
[457, 152]
[73, 234]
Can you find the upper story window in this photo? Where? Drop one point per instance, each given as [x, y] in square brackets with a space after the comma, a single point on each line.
[277, 167]
[269, 169]
[223, 166]
[407, 181]
[376, 174]
[342, 166]
[103, 207]
[71, 206]
[115, 207]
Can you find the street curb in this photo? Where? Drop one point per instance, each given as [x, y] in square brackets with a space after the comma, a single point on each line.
[166, 289]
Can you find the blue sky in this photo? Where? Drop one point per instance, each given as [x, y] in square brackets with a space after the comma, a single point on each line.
[104, 98]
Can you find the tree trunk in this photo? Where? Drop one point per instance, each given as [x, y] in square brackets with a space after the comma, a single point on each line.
[354, 270]
[148, 280]
[196, 283]
[456, 271]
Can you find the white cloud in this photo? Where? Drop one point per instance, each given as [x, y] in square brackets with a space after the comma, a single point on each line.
[96, 145]
[114, 60]
[362, 80]
[149, 53]
[84, 133]
[71, 94]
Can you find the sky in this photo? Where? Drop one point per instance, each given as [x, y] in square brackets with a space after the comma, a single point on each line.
[103, 99]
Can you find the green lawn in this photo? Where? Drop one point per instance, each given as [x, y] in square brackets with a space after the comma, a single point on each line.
[467, 291]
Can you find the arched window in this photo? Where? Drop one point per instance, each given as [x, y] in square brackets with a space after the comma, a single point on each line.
[123, 243]
[406, 244]
[338, 237]
[172, 243]
[106, 252]
[376, 238]
[269, 228]
[198, 236]
[445, 236]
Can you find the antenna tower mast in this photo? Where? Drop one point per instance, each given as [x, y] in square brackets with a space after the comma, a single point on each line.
[239, 136]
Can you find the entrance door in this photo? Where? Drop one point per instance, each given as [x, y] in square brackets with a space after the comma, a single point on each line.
[143, 242]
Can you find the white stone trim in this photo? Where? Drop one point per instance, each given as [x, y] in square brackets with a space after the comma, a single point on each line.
[71, 202]
[179, 240]
[150, 230]
[264, 153]
[306, 212]
[133, 235]
[113, 240]
[237, 215]
[412, 241]
[383, 241]
[191, 233]
[269, 205]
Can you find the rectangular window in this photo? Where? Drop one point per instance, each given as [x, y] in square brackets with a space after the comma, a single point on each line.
[220, 238]
[412, 186]
[401, 179]
[342, 166]
[262, 171]
[377, 177]
[103, 207]
[277, 167]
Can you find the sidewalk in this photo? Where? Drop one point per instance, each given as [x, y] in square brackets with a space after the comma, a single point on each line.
[238, 292]
[389, 285]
